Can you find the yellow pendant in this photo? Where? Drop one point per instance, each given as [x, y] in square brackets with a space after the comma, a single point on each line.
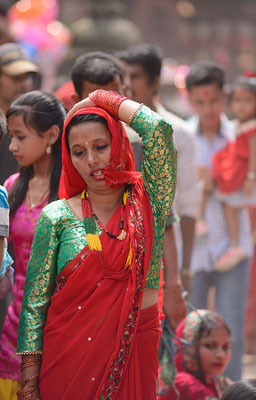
[122, 235]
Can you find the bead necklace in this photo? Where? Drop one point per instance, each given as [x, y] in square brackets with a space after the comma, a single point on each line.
[90, 223]
[123, 233]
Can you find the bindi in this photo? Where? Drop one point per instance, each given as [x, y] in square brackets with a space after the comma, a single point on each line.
[206, 93]
[86, 143]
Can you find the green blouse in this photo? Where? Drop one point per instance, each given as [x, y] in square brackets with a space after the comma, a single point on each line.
[60, 235]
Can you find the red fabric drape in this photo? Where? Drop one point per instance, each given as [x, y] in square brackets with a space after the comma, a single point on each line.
[93, 320]
[92, 332]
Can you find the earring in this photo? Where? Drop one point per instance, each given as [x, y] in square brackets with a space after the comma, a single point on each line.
[48, 149]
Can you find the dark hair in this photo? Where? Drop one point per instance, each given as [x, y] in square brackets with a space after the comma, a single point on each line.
[145, 54]
[210, 321]
[240, 390]
[40, 110]
[80, 119]
[204, 73]
[245, 82]
[3, 125]
[95, 67]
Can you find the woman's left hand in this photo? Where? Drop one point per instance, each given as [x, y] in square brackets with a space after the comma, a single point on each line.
[87, 102]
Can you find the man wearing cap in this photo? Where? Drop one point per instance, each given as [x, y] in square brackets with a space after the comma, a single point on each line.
[15, 79]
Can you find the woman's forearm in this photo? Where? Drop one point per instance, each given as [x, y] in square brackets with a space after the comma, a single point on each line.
[30, 371]
[116, 105]
[127, 110]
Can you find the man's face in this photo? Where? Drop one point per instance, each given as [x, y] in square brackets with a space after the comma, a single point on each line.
[142, 88]
[11, 87]
[208, 102]
[115, 86]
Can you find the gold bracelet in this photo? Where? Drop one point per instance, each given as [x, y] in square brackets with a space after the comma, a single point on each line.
[133, 113]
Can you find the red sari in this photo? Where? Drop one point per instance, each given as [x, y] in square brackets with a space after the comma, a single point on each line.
[97, 342]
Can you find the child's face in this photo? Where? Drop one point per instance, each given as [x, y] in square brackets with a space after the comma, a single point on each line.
[243, 104]
[26, 145]
[215, 353]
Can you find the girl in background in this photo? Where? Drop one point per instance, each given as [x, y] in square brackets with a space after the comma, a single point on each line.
[35, 121]
[201, 362]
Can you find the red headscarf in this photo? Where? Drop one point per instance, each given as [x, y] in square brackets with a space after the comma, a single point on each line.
[120, 169]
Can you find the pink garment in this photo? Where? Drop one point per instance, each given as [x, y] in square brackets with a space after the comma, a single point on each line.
[22, 228]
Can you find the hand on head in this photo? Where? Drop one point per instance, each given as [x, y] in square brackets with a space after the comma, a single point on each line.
[87, 102]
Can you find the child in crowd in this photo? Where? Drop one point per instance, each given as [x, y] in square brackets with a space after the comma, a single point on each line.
[202, 357]
[240, 390]
[35, 122]
[6, 271]
[234, 167]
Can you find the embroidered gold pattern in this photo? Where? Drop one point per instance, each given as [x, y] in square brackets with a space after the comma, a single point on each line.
[159, 176]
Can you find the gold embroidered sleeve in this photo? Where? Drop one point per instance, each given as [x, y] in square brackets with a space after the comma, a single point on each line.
[39, 286]
[159, 175]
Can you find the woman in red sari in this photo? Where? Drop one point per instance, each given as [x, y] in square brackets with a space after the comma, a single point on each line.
[95, 334]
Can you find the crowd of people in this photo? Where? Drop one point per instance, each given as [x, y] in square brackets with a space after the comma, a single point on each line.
[100, 175]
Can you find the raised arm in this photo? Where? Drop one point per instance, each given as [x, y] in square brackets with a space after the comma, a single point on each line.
[159, 159]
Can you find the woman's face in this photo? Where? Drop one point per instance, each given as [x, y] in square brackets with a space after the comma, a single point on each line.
[215, 353]
[26, 145]
[90, 147]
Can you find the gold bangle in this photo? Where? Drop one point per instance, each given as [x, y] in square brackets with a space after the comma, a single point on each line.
[133, 113]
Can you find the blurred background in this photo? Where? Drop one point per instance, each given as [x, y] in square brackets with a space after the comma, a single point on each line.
[55, 32]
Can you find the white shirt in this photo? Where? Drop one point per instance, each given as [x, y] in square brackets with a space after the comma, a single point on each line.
[187, 196]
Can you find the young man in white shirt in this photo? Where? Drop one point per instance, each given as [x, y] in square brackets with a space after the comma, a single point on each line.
[212, 129]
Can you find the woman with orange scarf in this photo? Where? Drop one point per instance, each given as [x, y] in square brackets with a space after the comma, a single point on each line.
[89, 326]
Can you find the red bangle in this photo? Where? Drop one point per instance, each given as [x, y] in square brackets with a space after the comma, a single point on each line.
[108, 100]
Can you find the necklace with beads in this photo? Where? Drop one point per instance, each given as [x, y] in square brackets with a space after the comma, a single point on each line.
[123, 233]
[90, 219]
